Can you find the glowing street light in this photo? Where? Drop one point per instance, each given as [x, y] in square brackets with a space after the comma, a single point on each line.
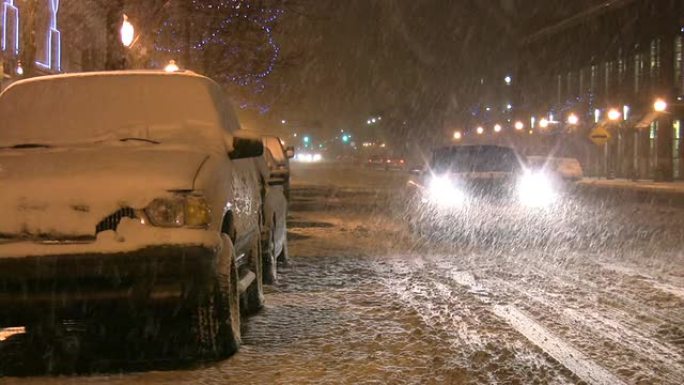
[373, 120]
[508, 80]
[283, 121]
[519, 125]
[573, 119]
[480, 130]
[614, 114]
[458, 135]
[306, 139]
[172, 66]
[127, 32]
[497, 128]
[543, 123]
[20, 69]
[660, 105]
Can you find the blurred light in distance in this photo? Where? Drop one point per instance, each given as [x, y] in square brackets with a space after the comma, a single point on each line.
[614, 114]
[543, 123]
[497, 128]
[283, 121]
[625, 112]
[172, 66]
[458, 135]
[127, 32]
[660, 105]
[480, 130]
[20, 69]
[373, 120]
[508, 79]
[597, 115]
[532, 121]
[519, 125]
[508, 106]
[573, 119]
[307, 139]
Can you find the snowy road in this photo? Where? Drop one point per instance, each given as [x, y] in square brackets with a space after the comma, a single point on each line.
[600, 300]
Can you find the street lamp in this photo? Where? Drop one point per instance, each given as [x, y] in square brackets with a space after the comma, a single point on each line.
[614, 114]
[497, 128]
[127, 32]
[172, 66]
[283, 121]
[508, 79]
[458, 135]
[480, 130]
[660, 105]
[519, 125]
[573, 119]
[543, 123]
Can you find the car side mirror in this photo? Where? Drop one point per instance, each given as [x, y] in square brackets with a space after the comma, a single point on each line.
[290, 152]
[246, 147]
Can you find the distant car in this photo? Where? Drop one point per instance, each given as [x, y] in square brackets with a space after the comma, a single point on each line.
[470, 183]
[395, 164]
[131, 192]
[564, 168]
[376, 162]
[280, 160]
[274, 237]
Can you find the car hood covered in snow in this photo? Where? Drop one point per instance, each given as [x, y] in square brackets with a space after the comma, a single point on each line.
[65, 192]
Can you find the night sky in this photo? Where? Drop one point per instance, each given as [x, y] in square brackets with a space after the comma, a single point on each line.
[418, 61]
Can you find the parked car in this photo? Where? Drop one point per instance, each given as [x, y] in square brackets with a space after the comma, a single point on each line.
[280, 160]
[564, 168]
[274, 236]
[129, 192]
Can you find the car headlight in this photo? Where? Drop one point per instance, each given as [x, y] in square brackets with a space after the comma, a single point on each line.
[179, 211]
[536, 190]
[442, 192]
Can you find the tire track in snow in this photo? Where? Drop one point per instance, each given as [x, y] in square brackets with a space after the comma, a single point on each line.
[563, 352]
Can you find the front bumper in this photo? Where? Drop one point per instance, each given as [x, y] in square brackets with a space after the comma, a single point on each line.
[74, 285]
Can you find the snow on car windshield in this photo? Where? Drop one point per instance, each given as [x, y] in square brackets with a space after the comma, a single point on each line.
[85, 109]
[475, 159]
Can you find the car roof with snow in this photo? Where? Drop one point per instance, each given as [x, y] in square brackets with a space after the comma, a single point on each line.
[63, 109]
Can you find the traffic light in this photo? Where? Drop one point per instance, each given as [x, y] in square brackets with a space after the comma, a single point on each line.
[345, 138]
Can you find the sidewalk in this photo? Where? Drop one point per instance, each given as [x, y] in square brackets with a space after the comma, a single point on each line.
[639, 185]
[645, 191]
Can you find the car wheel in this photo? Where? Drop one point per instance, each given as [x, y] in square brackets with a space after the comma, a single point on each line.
[215, 319]
[284, 256]
[270, 265]
[254, 296]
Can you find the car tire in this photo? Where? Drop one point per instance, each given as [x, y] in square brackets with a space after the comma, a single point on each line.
[270, 264]
[254, 295]
[284, 256]
[215, 318]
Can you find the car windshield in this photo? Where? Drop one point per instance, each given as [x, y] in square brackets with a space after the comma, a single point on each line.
[87, 109]
[475, 159]
[342, 192]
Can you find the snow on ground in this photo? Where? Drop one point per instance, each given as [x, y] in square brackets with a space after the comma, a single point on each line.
[365, 301]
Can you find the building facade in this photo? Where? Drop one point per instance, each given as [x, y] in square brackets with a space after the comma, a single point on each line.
[607, 65]
[40, 37]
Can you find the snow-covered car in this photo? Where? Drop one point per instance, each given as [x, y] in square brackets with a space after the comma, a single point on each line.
[280, 160]
[564, 168]
[466, 184]
[274, 237]
[130, 192]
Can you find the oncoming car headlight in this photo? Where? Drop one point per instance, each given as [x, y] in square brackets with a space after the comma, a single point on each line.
[536, 190]
[179, 211]
[442, 192]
